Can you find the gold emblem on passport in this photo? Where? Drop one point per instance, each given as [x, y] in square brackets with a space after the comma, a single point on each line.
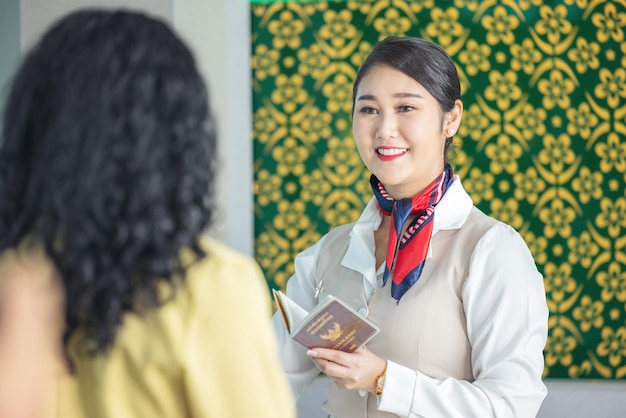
[333, 333]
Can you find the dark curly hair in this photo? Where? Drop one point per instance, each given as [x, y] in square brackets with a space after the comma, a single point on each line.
[107, 161]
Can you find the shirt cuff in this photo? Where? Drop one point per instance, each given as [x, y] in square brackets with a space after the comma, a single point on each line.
[398, 391]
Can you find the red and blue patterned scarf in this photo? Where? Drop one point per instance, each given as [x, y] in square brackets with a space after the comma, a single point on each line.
[409, 253]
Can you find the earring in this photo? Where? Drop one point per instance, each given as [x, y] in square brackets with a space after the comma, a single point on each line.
[450, 132]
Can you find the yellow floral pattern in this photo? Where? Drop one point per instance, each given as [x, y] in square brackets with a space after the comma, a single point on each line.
[542, 145]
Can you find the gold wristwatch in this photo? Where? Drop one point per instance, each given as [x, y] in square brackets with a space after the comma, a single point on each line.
[380, 383]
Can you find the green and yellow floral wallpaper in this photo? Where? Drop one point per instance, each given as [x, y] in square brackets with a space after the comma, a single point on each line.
[542, 145]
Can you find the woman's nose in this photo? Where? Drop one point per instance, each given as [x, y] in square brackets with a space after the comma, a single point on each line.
[387, 127]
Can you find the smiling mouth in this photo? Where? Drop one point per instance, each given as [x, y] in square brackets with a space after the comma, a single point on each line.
[391, 151]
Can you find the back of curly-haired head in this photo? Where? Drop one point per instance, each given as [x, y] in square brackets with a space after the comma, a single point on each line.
[107, 161]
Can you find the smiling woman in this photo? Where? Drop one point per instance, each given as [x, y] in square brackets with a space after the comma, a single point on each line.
[400, 130]
[459, 302]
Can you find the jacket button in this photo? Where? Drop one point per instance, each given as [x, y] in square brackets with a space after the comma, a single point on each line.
[363, 312]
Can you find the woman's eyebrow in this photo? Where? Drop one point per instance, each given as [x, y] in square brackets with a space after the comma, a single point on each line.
[366, 97]
[399, 95]
[414, 95]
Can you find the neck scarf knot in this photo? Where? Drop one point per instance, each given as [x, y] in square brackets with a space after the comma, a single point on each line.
[406, 256]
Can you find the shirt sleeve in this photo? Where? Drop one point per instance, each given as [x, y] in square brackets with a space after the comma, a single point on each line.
[300, 369]
[507, 324]
[231, 358]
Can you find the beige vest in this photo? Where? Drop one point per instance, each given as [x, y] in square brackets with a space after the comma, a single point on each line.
[427, 330]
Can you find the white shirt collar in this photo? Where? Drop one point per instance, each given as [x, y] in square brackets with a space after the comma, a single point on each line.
[450, 213]
[453, 208]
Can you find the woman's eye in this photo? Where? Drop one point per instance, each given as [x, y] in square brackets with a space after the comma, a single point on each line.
[405, 108]
[368, 110]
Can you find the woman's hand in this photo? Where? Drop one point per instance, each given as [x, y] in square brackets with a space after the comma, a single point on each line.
[357, 370]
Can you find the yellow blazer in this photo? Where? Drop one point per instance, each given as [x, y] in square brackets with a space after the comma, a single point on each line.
[210, 351]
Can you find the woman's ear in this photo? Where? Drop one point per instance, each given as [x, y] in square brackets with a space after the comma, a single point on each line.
[452, 119]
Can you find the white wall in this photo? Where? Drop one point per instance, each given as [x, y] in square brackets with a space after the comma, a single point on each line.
[37, 15]
[9, 45]
[219, 33]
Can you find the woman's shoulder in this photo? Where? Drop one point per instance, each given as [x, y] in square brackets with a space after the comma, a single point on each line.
[218, 252]
[222, 266]
[28, 265]
[495, 236]
[340, 232]
[489, 224]
[479, 222]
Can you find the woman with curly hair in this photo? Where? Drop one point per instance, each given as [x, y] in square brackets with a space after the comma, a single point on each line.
[107, 168]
